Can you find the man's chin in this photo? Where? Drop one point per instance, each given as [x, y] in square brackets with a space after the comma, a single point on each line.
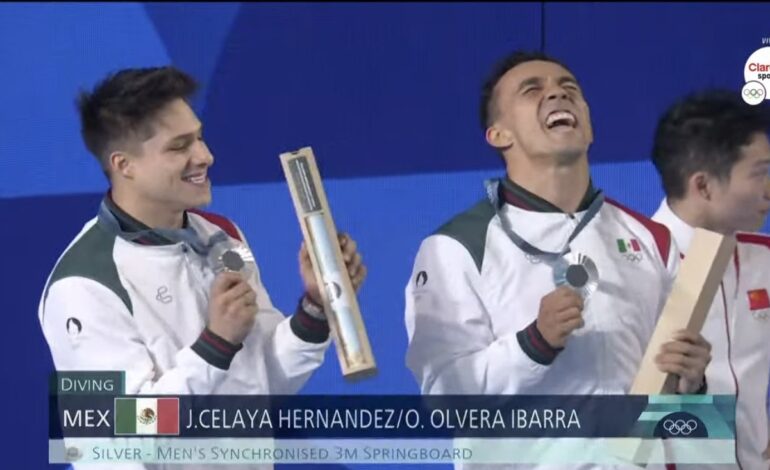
[200, 202]
[760, 225]
[756, 226]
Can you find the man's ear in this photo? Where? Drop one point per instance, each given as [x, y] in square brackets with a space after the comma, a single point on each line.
[120, 163]
[498, 137]
[701, 185]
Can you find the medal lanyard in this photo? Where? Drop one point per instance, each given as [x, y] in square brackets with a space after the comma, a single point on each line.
[188, 235]
[547, 256]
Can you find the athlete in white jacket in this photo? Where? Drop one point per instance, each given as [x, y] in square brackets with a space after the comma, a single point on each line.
[142, 288]
[712, 152]
[486, 308]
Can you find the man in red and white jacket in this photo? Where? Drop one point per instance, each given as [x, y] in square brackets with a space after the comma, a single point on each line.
[488, 314]
[142, 289]
[712, 152]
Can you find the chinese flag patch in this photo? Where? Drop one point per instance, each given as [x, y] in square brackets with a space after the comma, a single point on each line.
[758, 299]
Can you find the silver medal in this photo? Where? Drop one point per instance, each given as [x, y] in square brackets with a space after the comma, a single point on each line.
[236, 259]
[232, 261]
[578, 272]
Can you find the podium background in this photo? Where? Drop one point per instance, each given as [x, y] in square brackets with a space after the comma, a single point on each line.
[385, 94]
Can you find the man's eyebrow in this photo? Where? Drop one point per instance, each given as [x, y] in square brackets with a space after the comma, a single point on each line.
[530, 81]
[187, 135]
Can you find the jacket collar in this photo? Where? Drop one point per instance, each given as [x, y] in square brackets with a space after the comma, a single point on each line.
[143, 234]
[681, 230]
[516, 195]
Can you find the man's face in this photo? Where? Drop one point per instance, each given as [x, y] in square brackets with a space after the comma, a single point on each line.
[542, 107]
[170, 170]
[742, 203]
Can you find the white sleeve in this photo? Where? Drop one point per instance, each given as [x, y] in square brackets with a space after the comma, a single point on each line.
[289, 360]
[452, 348]
[88, 327]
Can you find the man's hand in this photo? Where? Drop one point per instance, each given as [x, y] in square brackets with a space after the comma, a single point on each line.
[561, 313]
[232, 308]
[686, 356]
[353, 262]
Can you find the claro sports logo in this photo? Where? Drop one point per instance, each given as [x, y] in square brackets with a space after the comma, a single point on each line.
[756, 73]
[762, 69]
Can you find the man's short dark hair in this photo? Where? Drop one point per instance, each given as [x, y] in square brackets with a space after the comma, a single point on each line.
[488, 106]
[123, 105]
[704, 132]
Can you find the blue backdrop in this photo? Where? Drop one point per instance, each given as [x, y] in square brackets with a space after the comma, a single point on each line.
[385, 94]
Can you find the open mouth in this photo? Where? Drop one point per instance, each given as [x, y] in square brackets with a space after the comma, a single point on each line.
[560, 120]
[198, 178]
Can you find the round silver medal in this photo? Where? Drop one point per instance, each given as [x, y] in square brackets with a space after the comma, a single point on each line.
[234, 259]
[578, 272]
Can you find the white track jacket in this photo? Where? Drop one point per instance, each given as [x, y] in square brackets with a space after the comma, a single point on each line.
[141, 307]
[474, 296]
[738, 328]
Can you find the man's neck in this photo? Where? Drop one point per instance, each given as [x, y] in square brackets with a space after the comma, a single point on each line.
[147, 213]
[563, 186]
[694, 216]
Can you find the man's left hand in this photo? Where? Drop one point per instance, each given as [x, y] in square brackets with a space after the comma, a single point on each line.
[353, 262]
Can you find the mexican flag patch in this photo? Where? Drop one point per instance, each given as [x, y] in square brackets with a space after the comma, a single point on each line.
[630, 245]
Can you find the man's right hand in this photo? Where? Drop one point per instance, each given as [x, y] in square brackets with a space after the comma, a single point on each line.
[561, 313]
[232, 307]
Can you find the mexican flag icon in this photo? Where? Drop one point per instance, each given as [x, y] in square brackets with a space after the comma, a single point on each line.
[631, 245]
[147, 416]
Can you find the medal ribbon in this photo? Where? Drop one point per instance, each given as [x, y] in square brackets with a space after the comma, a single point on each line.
[549, 257]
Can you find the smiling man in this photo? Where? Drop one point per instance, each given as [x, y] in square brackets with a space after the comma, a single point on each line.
[544, 287]
[169, 294]
[712, 152]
